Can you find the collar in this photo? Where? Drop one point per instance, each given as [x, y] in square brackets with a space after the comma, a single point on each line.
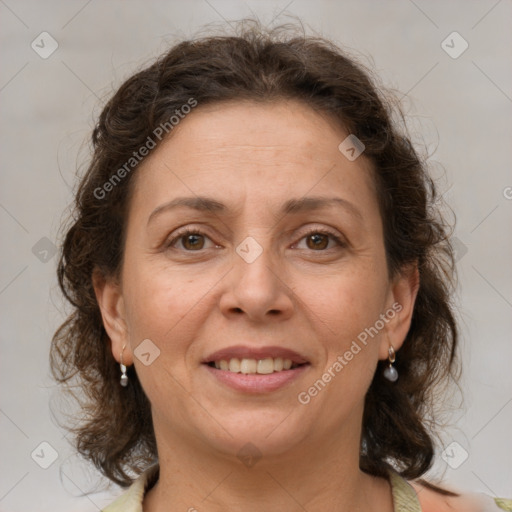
[404, 496]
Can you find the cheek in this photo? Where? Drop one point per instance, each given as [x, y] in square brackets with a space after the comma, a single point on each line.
[350, 346]
[159, 305]
[156, 300]
[168, 305]
[348, 302]
[349, 305]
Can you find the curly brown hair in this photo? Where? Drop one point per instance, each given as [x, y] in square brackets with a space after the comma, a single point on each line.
[115, 430]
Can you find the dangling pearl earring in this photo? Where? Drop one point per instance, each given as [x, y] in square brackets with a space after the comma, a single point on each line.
[124, 377]
[390, 372]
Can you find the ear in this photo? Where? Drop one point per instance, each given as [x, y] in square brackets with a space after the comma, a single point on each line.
[401, 299]
[110, 300]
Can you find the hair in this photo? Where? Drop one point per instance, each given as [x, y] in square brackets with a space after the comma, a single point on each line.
[115, 428]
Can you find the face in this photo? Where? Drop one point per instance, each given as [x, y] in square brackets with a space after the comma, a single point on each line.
[277, 254]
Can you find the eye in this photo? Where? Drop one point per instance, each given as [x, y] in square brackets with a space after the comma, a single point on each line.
[318, 240]
[191, 240]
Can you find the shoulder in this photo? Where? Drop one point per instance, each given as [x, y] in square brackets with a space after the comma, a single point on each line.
[132, 498]
[433, 501]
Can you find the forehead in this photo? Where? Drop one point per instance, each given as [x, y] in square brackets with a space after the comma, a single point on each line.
[253, 151]
[288, 128]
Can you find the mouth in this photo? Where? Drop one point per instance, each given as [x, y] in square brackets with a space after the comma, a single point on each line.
[262, 360]
[249, 366]
[255, 370]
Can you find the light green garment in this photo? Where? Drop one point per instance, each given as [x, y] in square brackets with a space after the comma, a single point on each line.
[404, 496]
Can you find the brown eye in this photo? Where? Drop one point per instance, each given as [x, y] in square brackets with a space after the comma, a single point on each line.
[193, 241]
[189, 240]
[317, 241]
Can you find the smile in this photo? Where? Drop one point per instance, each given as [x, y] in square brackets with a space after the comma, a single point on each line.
[247, 366]
[254, 370]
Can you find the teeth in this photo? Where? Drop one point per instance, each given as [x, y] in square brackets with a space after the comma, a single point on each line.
[234, 365]
[251, 366]
[248, 365]
[265, 366]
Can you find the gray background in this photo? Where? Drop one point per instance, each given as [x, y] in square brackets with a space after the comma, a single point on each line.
[458, 107]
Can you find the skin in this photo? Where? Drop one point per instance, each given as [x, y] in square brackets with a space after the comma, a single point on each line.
[189, 303]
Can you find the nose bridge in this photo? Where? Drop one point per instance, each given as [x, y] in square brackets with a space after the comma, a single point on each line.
[256, 286]
[254, 261]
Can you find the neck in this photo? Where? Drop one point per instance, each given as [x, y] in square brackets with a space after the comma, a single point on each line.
[314, 476]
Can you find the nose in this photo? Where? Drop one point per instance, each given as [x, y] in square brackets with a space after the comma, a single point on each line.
[257, 288]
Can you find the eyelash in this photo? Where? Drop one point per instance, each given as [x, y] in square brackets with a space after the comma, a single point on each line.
[191, 231]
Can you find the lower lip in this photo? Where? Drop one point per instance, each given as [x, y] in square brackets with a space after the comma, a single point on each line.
[255, 382]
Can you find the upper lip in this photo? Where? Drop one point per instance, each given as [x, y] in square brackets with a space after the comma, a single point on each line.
[243, 352]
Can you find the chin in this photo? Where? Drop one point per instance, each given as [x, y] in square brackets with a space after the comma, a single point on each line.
[254, 436]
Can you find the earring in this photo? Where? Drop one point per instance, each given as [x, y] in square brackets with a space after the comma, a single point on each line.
[390, 372]
[124, 377]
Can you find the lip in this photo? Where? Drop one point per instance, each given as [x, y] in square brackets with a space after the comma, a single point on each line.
[241, 352]
[256, 383]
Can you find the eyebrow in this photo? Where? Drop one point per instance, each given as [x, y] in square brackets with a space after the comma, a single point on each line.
[292, 206]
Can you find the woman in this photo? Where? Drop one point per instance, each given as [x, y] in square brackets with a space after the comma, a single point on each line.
[261, 288]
